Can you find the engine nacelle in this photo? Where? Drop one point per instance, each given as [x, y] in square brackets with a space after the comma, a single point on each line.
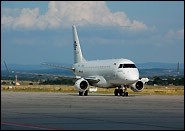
[81, 85]
[138, 86]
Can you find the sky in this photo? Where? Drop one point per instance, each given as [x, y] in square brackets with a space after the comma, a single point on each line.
[34, 32]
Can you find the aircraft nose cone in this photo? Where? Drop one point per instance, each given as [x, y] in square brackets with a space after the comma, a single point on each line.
[132, 77]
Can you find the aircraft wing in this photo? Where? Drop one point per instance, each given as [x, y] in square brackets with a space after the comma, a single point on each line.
[144, 80]
[58, 66]
[50, 75]
[92, 80]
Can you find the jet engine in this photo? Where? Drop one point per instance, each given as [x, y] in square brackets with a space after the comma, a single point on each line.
[81, 85]
[138, 86]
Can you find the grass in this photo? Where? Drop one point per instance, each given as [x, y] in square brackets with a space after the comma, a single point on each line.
[148, 90]
[40, 88]
[163, 90]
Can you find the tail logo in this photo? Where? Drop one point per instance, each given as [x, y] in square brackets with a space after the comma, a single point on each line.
[75, 45]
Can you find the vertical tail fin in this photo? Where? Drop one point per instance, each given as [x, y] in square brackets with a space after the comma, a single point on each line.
[78, 57]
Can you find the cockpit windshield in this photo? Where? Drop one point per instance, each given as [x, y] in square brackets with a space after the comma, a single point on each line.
[127, 66]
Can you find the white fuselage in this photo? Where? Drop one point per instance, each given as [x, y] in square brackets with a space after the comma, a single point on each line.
[111, 72]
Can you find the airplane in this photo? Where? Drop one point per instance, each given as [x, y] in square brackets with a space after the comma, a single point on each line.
[110, 73]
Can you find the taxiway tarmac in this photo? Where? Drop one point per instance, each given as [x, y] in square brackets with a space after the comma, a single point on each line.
[68, 111]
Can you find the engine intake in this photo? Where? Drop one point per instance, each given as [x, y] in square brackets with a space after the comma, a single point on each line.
[82, 84]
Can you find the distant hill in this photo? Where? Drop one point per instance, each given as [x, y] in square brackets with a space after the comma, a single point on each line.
[160, 72]
[150, 65]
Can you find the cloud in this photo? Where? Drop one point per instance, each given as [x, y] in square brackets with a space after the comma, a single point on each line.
[66, 13]
[179, 34]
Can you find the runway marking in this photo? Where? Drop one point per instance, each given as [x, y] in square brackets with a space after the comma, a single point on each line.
[29, 126]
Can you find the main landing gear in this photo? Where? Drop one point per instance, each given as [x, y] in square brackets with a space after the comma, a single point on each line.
[121, 91]
[85, 93]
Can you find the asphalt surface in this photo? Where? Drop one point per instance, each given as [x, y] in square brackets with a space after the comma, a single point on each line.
[68, 111]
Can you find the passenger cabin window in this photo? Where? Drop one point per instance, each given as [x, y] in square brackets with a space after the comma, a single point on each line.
[127, 66]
